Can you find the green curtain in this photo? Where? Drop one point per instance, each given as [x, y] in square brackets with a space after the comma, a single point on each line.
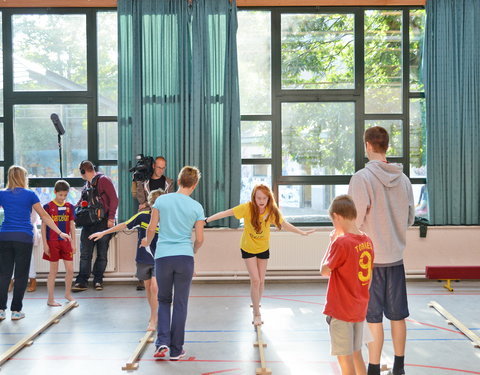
[452, 92]
[179, 94]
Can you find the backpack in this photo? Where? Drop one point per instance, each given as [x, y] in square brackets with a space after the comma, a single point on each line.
[90, 211]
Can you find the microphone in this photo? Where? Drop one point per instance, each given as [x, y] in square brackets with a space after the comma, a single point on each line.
[57, 123]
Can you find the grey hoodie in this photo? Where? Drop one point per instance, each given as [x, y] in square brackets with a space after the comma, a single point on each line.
[385, 208]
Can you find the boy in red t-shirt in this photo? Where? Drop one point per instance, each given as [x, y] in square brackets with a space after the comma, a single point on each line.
[54, 247]
[348, 262]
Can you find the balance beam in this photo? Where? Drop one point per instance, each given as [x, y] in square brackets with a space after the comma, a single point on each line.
[132, 363]
[28, 340]
[261, 345]
[449, 273]
[457, 323]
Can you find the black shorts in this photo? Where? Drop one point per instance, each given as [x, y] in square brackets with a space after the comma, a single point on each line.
[388, 294]
[263, 255]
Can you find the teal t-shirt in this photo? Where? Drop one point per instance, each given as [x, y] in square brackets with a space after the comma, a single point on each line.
[178, 214]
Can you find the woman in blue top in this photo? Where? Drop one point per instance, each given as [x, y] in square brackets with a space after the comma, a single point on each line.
[16, 237]
[178, 214]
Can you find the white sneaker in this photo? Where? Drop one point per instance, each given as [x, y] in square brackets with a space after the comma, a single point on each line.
[17, 315]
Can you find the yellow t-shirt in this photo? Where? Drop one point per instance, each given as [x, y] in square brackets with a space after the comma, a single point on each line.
[253, 242]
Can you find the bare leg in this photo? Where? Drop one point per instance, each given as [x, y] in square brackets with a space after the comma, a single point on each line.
[262, 270]
[375, 347]
[399, 336]
[151, 289]
[51, 284]
[68, 279]
[360, 368]
[256, 285]
[346, 364]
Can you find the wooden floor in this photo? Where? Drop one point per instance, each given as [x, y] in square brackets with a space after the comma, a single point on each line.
[101, 334]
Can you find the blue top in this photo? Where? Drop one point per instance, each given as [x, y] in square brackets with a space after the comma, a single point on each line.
[17, 205]
[178, 214]
[141, 221]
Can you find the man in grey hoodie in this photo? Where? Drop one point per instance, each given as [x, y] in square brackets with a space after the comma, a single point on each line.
[385, 209]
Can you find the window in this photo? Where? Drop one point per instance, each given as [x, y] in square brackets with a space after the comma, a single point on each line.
[311, 82]
[62, 61]
[49, 52]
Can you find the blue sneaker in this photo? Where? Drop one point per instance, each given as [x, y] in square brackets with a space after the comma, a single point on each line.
[2, 315]
[161, 351]
[177, 357]
[17, 315]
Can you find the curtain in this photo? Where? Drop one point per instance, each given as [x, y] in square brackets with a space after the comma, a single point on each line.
[452, 92]
[179, 94]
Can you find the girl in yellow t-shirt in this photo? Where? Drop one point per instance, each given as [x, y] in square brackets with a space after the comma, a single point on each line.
[258, 214]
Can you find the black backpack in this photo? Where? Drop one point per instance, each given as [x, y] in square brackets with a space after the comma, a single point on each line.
[90, 210]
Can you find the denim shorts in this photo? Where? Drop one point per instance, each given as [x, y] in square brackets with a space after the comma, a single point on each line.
[388, 294]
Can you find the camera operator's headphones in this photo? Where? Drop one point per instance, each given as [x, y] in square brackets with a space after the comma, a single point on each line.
[85, 163]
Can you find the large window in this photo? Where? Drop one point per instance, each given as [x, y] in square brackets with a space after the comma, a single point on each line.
[311, 81]
[64, 62]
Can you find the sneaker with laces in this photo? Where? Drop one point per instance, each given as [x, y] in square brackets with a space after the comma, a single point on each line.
[79, 287]
[17, 315]
[161, 351]
[98, 286]
[2, 315]
[177, 357]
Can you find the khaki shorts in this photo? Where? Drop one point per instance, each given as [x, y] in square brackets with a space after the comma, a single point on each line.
[345, 337]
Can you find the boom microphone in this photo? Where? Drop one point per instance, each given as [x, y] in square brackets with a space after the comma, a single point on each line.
[57, 123]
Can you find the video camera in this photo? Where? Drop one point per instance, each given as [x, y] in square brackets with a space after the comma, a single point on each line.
[143, 170]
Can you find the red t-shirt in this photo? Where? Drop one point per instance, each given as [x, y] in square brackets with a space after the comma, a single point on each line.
[350, 257]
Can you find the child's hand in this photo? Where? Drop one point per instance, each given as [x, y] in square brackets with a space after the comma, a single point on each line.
[308, 232]
[46, 249]
[65, 236]
[95, 236]
[144, 242]
[74, 250]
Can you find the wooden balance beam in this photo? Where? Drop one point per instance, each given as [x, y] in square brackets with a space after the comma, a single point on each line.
[132, 363]
[28, 340]
[457, 323]
[449, 273]
[261, 345]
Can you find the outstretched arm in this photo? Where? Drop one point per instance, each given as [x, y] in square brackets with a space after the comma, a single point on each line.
[292, 228]
[219, 215]
[117, 228]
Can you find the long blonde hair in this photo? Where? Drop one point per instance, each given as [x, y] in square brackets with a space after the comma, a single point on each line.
[17, 177]
[272, 207]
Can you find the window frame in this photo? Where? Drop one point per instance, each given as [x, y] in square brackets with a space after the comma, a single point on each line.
[88, 97]
[356, 95]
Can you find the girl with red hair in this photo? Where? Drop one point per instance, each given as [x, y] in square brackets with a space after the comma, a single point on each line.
[258, 214]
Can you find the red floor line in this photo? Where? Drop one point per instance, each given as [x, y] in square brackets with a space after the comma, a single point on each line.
[247, 296]
[221, 371]
[434, 326]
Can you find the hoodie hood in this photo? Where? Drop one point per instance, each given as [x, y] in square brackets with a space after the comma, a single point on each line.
[389, 174]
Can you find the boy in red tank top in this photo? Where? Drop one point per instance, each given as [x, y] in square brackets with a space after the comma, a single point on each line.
[348, 263]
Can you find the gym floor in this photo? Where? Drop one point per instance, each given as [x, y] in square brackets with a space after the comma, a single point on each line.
[100, 335]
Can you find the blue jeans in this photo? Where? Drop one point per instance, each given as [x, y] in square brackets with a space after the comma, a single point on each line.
[18, 254]
[173, 274]
[86, 252]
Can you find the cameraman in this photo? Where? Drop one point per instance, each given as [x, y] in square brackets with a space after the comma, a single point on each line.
[141, 189]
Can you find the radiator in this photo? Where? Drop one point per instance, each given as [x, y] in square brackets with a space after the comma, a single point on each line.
[292, 252]
[42, 265]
